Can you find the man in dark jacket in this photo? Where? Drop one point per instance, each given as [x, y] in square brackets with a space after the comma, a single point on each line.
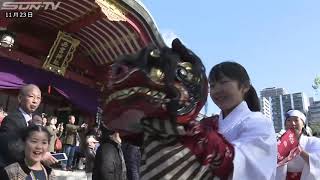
[109, 163]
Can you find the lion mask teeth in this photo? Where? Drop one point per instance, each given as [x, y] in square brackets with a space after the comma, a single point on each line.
[122, 94]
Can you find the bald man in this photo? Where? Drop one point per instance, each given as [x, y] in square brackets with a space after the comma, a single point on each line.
[29, 99]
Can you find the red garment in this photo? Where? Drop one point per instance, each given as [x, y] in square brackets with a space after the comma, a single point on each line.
[293, 176]
[210, 147]
[287, 147]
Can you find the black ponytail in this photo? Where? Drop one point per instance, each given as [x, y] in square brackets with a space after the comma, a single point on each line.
[305, 131]
[252, 99]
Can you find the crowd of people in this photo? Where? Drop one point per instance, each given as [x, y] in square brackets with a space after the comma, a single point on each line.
[28, 140]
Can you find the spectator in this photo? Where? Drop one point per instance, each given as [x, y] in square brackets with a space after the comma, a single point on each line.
[90, 152]
[36, 140]
[55, 132]
[109, 162]
[44, 119]
[70, 141]
[11, 150]
[36, 119]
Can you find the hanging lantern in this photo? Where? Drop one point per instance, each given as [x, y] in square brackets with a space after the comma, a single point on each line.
[49, 89]
[6, 39]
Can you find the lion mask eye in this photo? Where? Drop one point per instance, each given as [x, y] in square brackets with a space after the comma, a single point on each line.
[186, 65]
[155, 53]
[184, 72]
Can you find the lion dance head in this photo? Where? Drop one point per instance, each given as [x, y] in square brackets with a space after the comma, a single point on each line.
[166, 83]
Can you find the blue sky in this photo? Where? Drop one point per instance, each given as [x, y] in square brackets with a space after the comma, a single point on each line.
[278, 42]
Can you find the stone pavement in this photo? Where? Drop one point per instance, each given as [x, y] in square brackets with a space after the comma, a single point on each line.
[70, 175]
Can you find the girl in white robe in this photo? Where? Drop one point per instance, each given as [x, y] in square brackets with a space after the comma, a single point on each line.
[241, 124]
[240, 144]
[306, 165]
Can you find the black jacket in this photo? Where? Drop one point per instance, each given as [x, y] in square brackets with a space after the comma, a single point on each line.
[13, 122]
[108, 163]
[10, 142]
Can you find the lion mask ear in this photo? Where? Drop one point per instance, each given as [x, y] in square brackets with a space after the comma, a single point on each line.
[185, 53]
[177, 46]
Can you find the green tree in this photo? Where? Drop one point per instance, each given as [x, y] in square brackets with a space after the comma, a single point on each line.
[315, 128]
[316, 83]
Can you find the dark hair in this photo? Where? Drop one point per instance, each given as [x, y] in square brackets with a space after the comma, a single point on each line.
[44, 115]
[106, 132]
[236, 72]
[34, 128]
[52, 117]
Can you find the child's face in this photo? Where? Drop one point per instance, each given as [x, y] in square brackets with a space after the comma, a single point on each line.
[36, 146]
[227, 94]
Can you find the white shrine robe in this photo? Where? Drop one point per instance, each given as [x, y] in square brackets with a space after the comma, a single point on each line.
[254, 140]
[309, 172]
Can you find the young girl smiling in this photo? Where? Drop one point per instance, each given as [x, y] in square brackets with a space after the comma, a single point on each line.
[36, 142]
[248, 134]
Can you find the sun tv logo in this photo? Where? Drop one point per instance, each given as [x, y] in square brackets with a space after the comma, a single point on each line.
[26, 9]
